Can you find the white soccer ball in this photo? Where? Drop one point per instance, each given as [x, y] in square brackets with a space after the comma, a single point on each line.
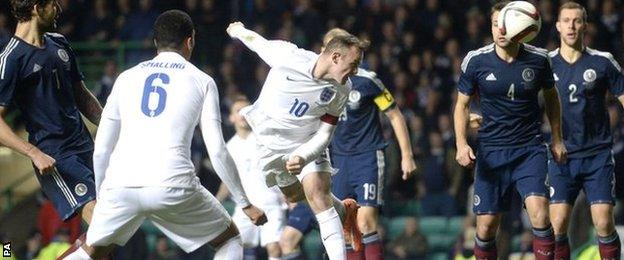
[519, 21]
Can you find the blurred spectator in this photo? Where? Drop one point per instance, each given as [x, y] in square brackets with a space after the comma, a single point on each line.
[163, 250]
[5, 34]
[49, 223]
[138, 27]
[410, 244]
[439, 181]
[101, 23]
[105, 85]
[34, 244]
[59, 244]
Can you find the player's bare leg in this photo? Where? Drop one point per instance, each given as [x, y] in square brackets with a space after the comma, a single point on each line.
[543, 237]
[367, 220]
[560, 219]
[273, 250]
[485, 240]
[608, 239]
[289, 243]
[316, 186]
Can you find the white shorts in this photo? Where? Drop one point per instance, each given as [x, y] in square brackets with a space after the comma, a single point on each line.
[253, 235]
[273, 165]
[190, 217]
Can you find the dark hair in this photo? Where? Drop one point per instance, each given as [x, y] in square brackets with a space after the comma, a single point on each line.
[498, 6]
[573, 5]
[171, 29]
[346, 41]
[22, 9]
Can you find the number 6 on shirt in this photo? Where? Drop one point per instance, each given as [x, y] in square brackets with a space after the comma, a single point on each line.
[150, 89]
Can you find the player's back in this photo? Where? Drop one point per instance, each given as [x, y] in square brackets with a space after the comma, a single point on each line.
[159, 103]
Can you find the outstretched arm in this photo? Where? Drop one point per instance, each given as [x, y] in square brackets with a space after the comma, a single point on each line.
[272, 52]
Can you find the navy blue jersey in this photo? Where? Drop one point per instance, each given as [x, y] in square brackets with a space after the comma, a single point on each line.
[359, 129]
[508, 94]
[39, 82]
[582, 88]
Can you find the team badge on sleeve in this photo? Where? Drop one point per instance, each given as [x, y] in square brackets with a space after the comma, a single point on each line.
[327, 95]
[63, 55]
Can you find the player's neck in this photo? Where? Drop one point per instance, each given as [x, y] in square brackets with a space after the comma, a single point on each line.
[508, 53]
[571, 53]
[30, 33]
[321, 69]
[243, 133]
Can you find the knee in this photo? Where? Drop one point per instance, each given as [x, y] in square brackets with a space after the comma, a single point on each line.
[559, 223]
[273, 250]
[287, 245]
[367, 224]
[295, 197]
[487, 230]
[539, 217]
[604, 226]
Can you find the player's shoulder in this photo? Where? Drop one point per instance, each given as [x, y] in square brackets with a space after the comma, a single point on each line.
[475, 55]
[57, 38]
[603, 56]
[369, 77]
[11, 50]
[554, 53]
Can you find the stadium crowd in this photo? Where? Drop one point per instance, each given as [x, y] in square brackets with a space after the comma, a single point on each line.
[417, 48]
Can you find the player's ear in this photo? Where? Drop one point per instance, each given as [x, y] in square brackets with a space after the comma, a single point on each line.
[558, 26]
[335, 56]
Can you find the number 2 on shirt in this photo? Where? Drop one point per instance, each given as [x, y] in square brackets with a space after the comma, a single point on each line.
[150, 90]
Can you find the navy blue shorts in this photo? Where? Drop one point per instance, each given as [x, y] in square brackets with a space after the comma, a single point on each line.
[498, 171]
[594, 174]
[360, 176]
[72, 185]
[302, 218]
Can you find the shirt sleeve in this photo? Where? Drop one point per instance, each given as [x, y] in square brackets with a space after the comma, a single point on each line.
[467, 83]
[75, 72]
[615, 78]
[215, 144]
[273, 52]
[547, 77]
[8, 81]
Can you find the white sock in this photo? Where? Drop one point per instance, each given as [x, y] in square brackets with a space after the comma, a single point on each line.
[79, 254]
[340, 208]
[331, 234]
[232, 249]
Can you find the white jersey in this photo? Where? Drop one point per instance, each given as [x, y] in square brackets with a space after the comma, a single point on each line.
[292, 101]
[243, 152]
[158, 102]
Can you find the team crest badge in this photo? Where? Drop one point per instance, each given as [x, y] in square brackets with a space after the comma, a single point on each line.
[80, 189]
[327, 95]
[477, 200]
[528, 74]
[354, 99]
[63, 55]
[589, 75]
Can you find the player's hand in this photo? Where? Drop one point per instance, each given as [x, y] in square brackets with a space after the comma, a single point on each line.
[232, 26]
[256, 215]
[475, 120]
[408, 166]
[465, 156]
[43, 162]
[295, 164]
[560, 153]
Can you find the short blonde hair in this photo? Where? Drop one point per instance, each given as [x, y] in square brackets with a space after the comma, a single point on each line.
[573, 5]
[338, 38]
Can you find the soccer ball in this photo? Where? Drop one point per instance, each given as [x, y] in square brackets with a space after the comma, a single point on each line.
[519, 21]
